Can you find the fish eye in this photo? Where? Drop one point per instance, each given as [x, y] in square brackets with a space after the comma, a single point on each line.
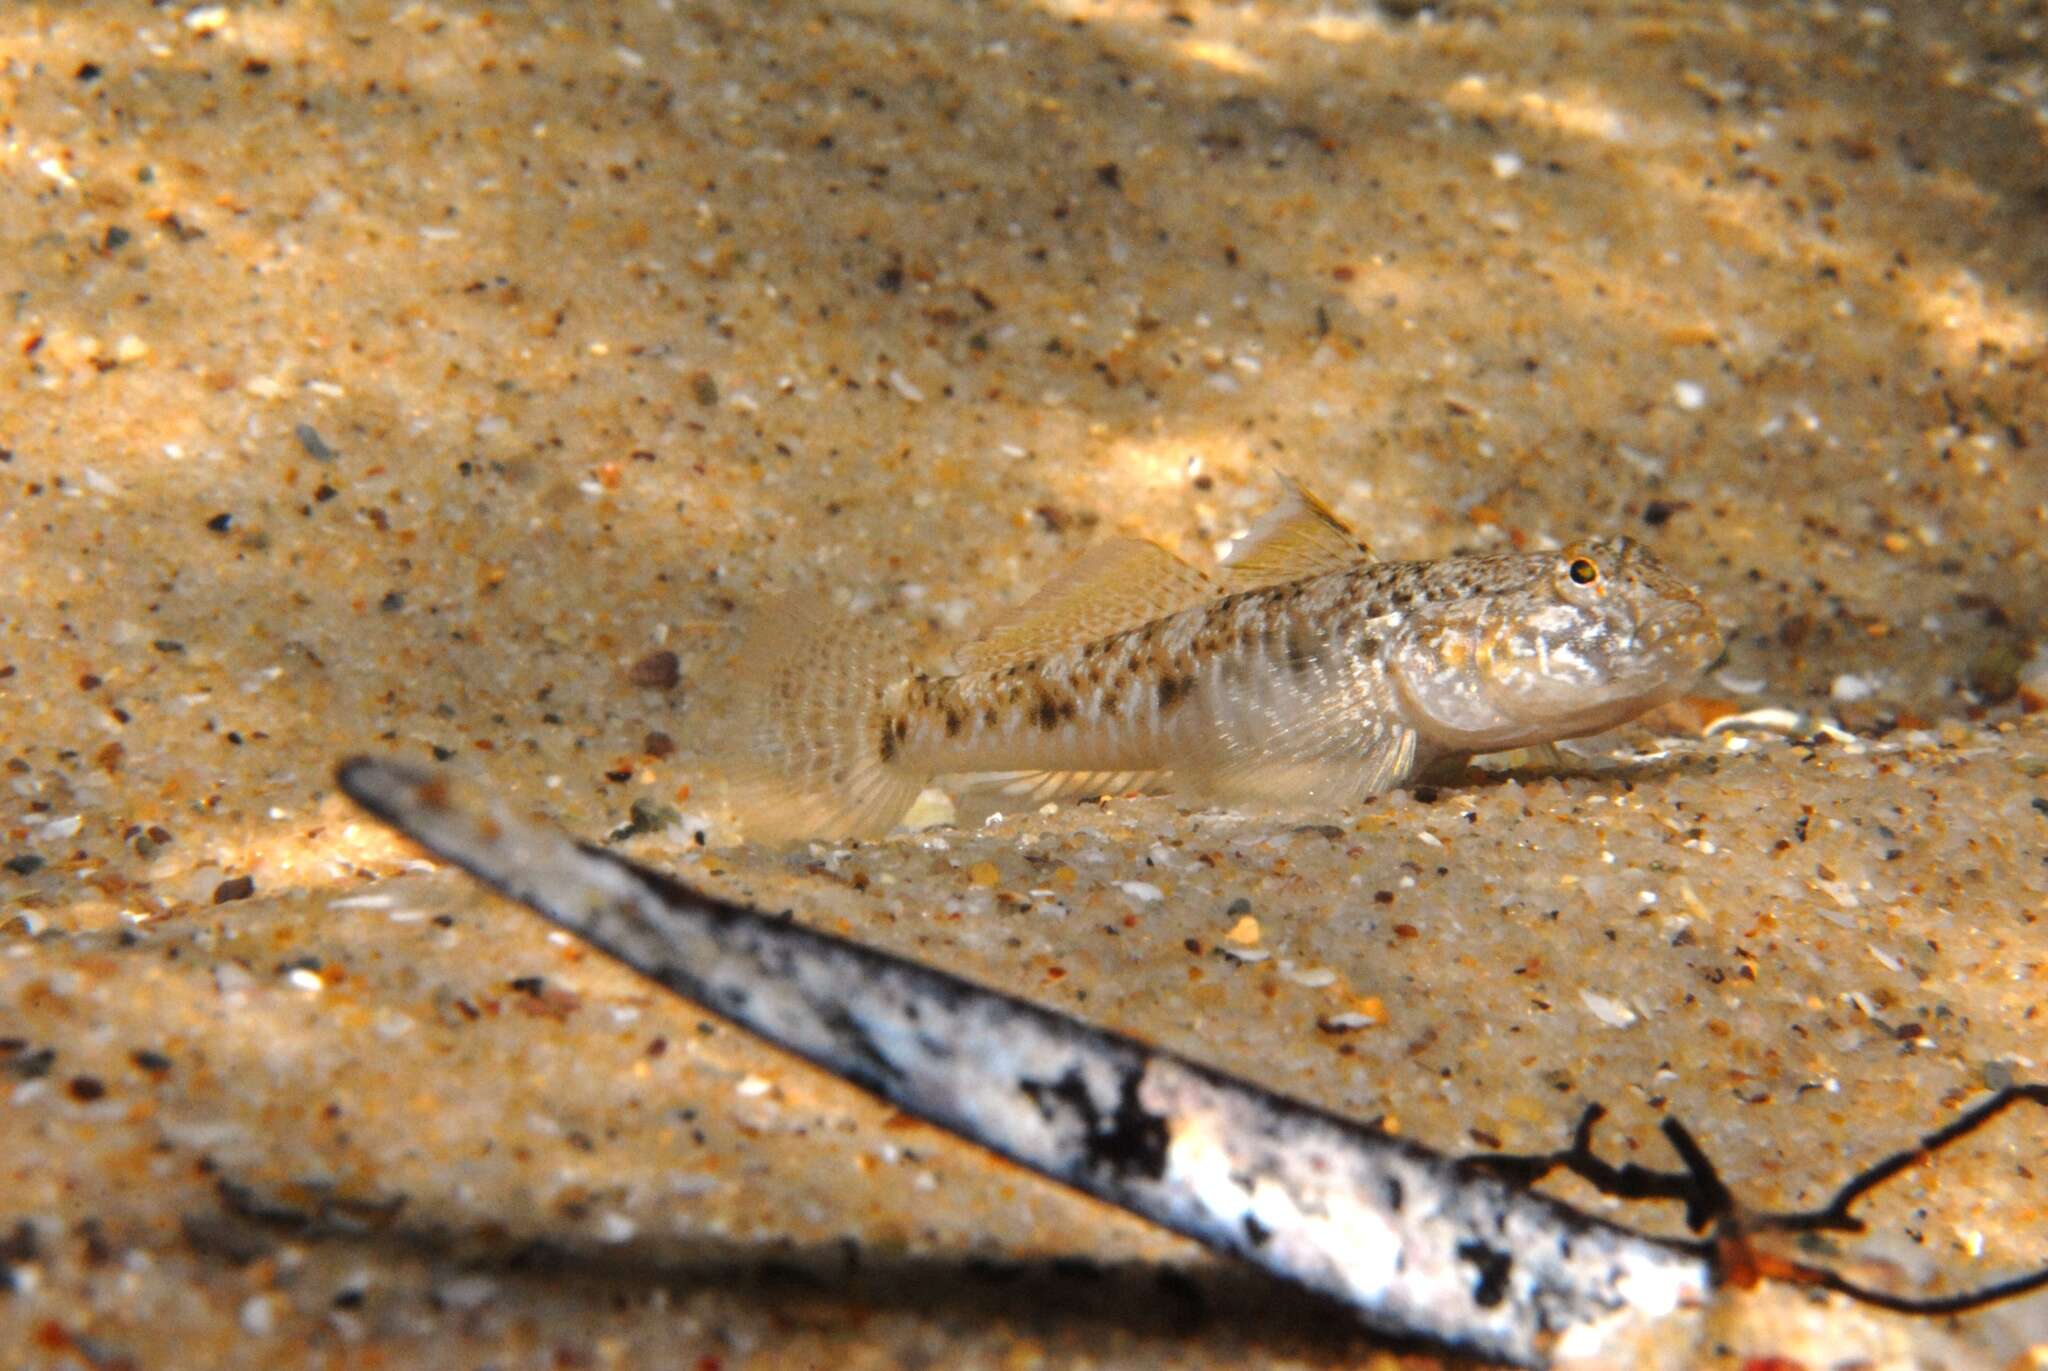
[1583, 571]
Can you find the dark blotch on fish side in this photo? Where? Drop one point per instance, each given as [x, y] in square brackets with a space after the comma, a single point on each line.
[1301, 650]
[1255, 1232]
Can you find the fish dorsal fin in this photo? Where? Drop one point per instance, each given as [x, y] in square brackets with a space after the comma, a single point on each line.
[1301, 536]
[1115, 585]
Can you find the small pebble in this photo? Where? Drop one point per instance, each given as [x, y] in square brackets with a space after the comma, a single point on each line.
[656, 671]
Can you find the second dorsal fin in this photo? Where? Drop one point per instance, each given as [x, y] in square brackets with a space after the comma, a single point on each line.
[1301, 536]
[1115, 585]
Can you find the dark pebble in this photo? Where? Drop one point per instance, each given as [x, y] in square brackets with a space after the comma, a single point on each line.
[20, 1245]
[85, 1089]
[393, 601]
[235, 1241]
[220, 523]
[650, 815]
[27, 864]
[658, 745]
[116, 238]
[30, 1066]
[155, 1063]
[235, 888]
[656, 671]
[1995, 672]
[315, 446]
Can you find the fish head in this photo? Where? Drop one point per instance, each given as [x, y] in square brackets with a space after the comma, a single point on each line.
[1557, 645]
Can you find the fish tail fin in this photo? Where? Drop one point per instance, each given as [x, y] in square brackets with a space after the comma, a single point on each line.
[804, 753]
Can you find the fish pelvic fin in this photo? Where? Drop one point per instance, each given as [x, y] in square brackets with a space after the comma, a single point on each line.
[809, 751]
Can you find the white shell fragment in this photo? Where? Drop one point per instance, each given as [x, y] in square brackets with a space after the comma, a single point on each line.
[1414, 1243]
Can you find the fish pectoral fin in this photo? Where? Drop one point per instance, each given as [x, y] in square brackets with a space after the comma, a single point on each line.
[1114, 586]
[1546, 756]
[1299, 537]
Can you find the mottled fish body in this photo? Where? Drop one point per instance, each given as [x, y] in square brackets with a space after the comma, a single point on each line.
[1306, 674]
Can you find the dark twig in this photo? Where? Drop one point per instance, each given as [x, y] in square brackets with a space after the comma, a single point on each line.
[1698, 1187]
[1708, 1202]
[1834, 1216]
[1962, 1302]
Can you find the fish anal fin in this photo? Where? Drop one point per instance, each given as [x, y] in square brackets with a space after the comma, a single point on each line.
[1114, 586]
[1299, 537]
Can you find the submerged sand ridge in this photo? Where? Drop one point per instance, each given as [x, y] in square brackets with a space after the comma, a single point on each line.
[403, 377]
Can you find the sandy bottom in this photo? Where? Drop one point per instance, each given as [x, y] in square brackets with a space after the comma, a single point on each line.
[413, 379]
